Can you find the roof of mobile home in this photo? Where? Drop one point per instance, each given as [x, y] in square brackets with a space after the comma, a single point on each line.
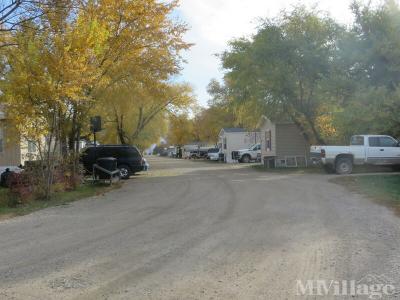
[234, 130]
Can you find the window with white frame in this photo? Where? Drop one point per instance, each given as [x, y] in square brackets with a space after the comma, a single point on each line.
[32, 147]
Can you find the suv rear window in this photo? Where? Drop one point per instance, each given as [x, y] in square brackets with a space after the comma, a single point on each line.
[130, 152]
[117, 152]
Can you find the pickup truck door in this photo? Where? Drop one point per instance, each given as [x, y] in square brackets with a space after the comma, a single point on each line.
[254, 150]
[358, 149]
[383, 150]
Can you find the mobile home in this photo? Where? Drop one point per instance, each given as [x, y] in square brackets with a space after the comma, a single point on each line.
[233, 139]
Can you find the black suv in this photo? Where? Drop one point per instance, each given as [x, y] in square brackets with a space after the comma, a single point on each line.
[129, 159]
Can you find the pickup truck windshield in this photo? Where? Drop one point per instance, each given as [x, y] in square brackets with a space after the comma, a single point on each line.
[255, 147]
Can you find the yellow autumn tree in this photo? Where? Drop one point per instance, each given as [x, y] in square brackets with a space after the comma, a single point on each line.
[58, 67]
[132, 107]
[79, 50]
[181, 129]
[209, 122]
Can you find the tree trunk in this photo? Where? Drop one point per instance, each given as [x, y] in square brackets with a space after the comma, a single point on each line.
[302, 129]
[317, 136]
[72, 133]
[120, 129]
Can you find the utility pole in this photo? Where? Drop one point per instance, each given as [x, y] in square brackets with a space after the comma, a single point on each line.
[95, 126]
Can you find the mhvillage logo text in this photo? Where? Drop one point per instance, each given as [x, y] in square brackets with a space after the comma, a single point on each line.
[370, 286]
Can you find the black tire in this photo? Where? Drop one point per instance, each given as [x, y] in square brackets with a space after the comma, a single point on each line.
[125, 171]
[344, 165]
[245, 159]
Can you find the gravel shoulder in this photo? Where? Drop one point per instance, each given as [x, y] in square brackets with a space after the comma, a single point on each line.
[193, 230]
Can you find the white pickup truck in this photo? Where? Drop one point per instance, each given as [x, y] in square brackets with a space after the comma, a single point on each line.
[253, 153]
[363, 149]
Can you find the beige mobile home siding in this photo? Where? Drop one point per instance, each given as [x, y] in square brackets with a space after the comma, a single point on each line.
[290, 141]
[11, 154]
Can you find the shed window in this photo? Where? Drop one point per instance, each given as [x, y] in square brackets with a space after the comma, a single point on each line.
[268, 140]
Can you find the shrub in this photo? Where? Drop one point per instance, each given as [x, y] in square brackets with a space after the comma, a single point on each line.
[21, 187]
[39, 182]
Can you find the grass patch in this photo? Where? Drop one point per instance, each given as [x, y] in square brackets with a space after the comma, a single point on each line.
[379, 187]
[382, 189]
[61, 198]
[309, 170]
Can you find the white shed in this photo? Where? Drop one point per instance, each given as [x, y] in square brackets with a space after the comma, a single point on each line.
[233, 139]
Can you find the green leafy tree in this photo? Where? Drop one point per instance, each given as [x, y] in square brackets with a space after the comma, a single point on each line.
[370, 54]
[281, 70]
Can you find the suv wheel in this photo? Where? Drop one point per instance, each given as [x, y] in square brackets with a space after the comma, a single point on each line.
[245, 159]
[124, 171]
[344, 165]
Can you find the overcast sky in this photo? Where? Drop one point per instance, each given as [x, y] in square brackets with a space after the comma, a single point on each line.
[214, 22]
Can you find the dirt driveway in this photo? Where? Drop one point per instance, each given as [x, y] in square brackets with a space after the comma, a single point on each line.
[197, 230]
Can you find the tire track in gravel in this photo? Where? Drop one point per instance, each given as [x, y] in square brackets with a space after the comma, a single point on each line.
[89, 243]
[155, 264]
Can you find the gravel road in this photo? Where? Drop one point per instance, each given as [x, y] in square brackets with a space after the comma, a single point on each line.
[197, 230]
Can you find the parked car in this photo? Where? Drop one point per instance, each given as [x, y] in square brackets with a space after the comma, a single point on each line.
[253, 153]
[14, 169]
[187, 149]
[363, 149]
[213, 154]
[171, 151]
[146, 165]
[201, 153]
[129, 159]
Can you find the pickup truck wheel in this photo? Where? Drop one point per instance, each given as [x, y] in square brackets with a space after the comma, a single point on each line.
[344, 166]
[245, 159]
